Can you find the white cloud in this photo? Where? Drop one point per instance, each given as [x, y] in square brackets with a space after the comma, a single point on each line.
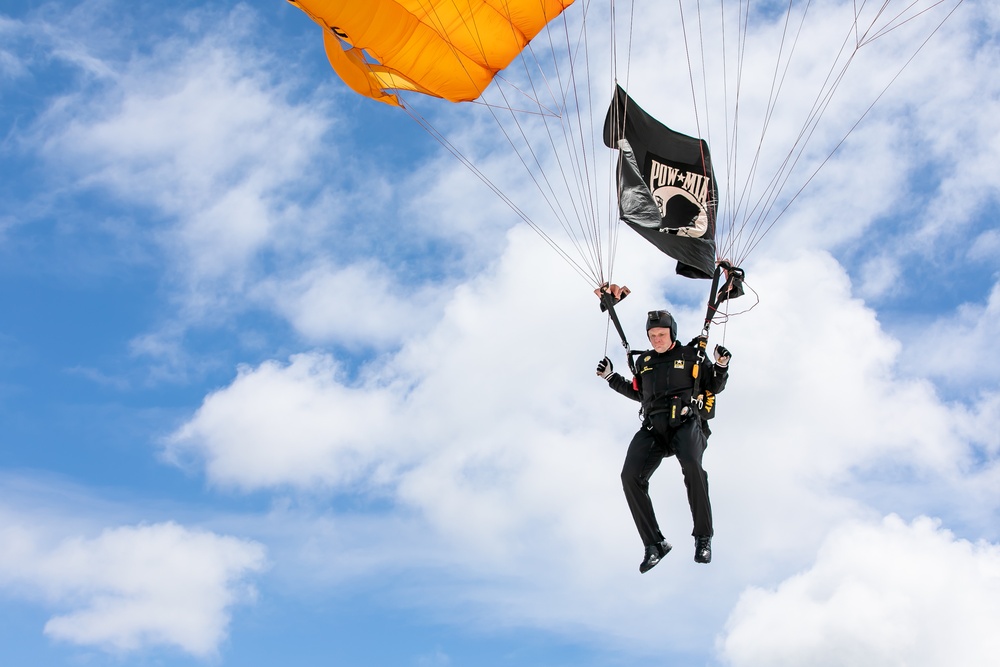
[494, 453]
[196, 130]
[200, 131]
[986, 246]
[956, 347]
[11, 64]
[945, 113]
[360, 305]
[254, 197]
[492, 448]
[296, 424]
[208, 145]
[889, 593]
[499, 451]
[879, 276]
[130, 587]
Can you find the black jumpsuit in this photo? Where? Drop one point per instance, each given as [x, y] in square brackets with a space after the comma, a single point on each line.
[664, 384]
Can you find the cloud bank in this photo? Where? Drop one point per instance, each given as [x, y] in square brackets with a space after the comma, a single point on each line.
[473, 430]
[880, 593]
[131, 588]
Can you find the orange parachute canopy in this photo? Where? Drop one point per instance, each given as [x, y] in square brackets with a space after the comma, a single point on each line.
[442, 48]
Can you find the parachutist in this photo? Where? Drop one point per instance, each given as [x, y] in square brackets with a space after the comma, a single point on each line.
[670, 382]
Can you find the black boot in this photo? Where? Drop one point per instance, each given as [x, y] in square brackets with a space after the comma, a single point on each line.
[654, 552]
[702, 549]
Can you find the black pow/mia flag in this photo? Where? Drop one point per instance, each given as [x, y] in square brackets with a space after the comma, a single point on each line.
[666, 186]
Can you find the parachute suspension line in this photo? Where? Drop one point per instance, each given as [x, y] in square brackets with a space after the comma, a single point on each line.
[764, 203]
[553, 201]
[732, 153]
[578, 158]
[578, 134]
[580, 179]
[587, 220]
[612, 227]
[777, 84]
[687, 53]
[544, 112]
[694, 96]
[548, 191]
[704, 80]
[824, 97]
[607, 336]
[748, 236]
[441, 139]
[704, 85]
[726, 217]
[820, 106]
[598, 217]
[430, 12]
[725, 322]
[843, 139]
[730, 212]
[889, 27]
[434, 19]
[724, 248]
[542, 182]
[615, 157]
[582, 225]
[576, 145]
[591, 164]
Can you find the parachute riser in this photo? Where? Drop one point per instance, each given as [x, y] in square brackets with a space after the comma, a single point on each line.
[609, 304]
[713, 302]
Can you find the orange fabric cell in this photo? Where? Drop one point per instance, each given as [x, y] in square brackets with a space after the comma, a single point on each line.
[445, 48]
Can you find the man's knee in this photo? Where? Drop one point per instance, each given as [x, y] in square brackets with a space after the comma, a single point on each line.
[632, 477]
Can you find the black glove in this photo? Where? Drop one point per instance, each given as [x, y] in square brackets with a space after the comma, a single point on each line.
[604, 368]
[722, 356]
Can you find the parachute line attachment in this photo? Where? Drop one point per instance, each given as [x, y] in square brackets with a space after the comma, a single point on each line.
[608, 302]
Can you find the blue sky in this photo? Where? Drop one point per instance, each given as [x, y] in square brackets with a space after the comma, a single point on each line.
[282, 383]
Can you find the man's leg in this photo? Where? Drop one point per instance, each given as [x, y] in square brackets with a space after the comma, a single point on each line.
[644, 455]
[688, 443]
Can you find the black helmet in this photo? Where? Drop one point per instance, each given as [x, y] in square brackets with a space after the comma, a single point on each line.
[662, 318]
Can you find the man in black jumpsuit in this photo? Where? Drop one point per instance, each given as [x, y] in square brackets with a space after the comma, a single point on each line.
[666, 380]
